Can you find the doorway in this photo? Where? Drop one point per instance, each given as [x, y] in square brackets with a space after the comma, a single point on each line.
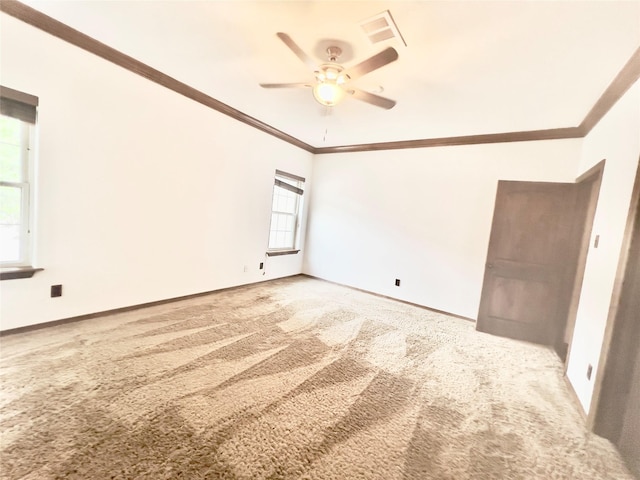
[588, 192]
[615, 413]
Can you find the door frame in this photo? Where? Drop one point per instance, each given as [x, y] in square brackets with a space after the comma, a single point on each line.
[608, 406]
[591, 179]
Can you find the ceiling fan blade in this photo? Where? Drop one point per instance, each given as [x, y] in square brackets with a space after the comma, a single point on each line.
[381, 59]
[371, 98]
[286, 85]
[306, 59]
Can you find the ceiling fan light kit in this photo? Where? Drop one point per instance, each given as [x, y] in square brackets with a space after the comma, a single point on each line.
[328, 94]
[332, 78]
[328, 89]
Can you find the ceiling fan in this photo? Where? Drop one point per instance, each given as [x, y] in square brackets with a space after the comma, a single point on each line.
[332, 79]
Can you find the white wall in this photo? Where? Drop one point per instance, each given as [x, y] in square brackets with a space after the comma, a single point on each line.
[143, 194]
[422, 215]
[615, 138]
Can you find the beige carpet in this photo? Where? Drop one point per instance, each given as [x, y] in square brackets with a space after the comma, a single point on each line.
[296, 378]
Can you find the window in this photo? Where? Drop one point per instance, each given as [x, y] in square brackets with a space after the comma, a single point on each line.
[17, 118]
[285, 214]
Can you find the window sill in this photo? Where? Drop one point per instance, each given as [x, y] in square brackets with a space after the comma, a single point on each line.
[276, 253]
[13, 273]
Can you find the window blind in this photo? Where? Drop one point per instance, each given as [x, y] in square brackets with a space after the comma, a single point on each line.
[18, 105]
[288, 186]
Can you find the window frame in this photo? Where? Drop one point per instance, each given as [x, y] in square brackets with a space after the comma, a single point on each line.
[281, 180]
[22, 107]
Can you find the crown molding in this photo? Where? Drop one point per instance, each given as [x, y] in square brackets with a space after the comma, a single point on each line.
[525, 136]
[618, 87]
[58, 29]
[622, 82]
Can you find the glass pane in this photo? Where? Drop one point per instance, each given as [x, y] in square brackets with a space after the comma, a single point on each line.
[272, 231]
[10, 163]
[10, 130]
[10, 205]
[282, 201]
[282, 222]
[9, 243]
[10, 218]
[291, 204]
[281, 233]
[289, 239]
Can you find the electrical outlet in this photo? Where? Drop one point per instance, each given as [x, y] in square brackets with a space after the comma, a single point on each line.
[397, 282]
[56, 291]
[246, 269]
[589, 371]
[261, 265]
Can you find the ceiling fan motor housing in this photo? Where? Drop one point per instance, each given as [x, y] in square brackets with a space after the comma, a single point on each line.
[334, 53]
[332, 73]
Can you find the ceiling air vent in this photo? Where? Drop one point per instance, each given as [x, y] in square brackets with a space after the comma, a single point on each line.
[381, 27]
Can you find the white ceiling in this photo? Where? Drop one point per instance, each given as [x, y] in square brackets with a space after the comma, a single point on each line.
[469, 67]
